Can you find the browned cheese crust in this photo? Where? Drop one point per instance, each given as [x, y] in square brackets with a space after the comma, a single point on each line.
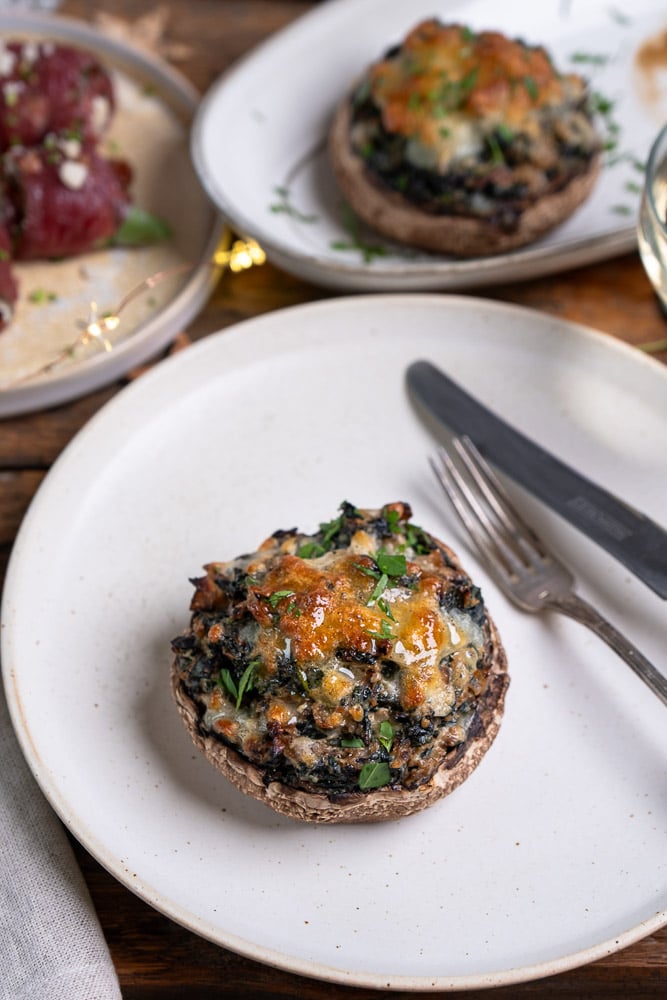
[464, 144]
[360, 558]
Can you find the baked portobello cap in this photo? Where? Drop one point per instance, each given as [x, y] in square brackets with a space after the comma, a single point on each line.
[465, 143]
[348, 675]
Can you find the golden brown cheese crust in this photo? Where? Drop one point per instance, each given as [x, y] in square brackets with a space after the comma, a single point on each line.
[462, 127]
[485, 76]
[342, 669]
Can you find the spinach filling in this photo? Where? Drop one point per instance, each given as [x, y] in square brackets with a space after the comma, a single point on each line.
[376, 742]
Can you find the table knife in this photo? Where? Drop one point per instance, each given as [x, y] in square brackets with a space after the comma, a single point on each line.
[636, 541]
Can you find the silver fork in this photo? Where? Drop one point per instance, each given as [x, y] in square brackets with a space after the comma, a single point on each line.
[522, 565]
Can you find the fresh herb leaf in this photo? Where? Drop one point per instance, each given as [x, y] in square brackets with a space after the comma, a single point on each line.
[589, 58]
[279, 595]
[227, 682]
[391, 564]
[329, 531]
[531, 87]
[504, 132]
[386, 735]
[384, 633]
[417, 539]
[285, 207]
[368, 570]
[379, 588]
[310, 550]
[140, 229]
[352, 225]
[374, 775]
[393, 519]
[383, 605]
[247, 681]
[351, 741]
[39, 295]
[245, 684]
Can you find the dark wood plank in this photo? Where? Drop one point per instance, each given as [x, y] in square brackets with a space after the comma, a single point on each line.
[155, 958]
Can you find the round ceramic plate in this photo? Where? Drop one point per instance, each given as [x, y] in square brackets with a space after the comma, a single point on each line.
[552, 853]
[56, 297]
[279, 187]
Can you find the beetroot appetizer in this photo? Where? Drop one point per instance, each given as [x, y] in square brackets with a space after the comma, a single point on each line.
[50, 88]
[59, 195]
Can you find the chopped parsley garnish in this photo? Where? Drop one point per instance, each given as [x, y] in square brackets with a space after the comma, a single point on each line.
[247, 681]
[245, 684]
[374, 775]
[386, 735]
[329, 531]
[531, 87]
[379, 588]
[351, 741]
[284, 206]
[384, 608]
[589, 58]
[391, 564]
[310, 550]
[279, 595]
[352, 225]
[384, 633]
[39, 296]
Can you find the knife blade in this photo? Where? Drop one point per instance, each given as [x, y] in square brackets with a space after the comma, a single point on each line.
[634, 539]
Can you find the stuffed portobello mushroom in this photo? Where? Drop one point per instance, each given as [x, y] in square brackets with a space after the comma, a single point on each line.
[465, 143]
[348, 675]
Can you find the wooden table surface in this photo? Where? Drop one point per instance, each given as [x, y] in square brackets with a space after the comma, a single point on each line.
[154, 957]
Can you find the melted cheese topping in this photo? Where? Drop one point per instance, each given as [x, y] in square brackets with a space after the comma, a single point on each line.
[446, 88]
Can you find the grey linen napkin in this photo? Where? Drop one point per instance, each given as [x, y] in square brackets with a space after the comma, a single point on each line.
[51, 943]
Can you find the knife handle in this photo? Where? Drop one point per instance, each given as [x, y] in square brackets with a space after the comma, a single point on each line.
[583, 612]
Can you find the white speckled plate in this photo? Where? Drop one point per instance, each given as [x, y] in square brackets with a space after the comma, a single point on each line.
[278, 186]
[552, 853]
[55, 297]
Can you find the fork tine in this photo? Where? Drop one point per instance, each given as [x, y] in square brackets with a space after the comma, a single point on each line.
[473, 517]
[500, 533]
[524, 537]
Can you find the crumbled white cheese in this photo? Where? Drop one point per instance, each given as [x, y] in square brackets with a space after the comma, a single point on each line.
[71, 148]
[455, 140]
[100, 113]
[73, 174]
[7, 61]
[29, 52]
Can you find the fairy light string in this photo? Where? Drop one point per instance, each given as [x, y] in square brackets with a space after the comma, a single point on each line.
[235, 255]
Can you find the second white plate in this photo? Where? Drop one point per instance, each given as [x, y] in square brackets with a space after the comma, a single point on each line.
[278, 187]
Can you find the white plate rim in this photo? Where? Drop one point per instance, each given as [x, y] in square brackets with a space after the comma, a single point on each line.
[91, 841]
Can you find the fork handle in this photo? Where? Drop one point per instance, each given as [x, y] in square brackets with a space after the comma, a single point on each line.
[579, 609]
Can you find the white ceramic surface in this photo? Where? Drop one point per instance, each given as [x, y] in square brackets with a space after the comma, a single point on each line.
[278, 187]
[552, 853]
[39, 332]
